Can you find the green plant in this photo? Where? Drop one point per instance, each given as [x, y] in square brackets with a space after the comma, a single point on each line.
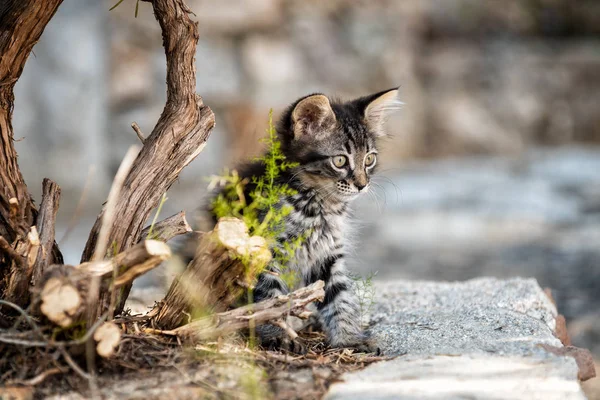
[261, 209]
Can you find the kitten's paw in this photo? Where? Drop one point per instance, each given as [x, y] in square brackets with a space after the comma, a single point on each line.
[284, 343]
[367, 346]
[364, 344]
[274, 338]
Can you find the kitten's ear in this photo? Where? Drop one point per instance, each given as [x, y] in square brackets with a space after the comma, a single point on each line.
[313, 117]
[378, 107]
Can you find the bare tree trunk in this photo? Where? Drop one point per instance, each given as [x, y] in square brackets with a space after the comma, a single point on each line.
[178, 137]
[21, 25]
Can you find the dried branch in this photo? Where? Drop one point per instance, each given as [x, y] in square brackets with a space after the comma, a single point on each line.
[36, 380]
[7, 249]
[138, 132]
[34, 253]
[168, 228]
[108, 214]
[45, 225]
[286, 328]
[267, 311]
[178, 137]
[19, 278]
[73, 364]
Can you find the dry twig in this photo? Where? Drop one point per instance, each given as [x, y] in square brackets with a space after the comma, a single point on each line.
[168, 228]
[267, 311]
[138, 132]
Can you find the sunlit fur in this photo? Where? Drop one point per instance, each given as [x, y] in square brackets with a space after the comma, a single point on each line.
[314, 130]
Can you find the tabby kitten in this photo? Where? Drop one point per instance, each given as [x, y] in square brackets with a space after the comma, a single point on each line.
[335, 147]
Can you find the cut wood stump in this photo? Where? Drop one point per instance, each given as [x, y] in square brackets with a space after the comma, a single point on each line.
[63, 289]
[226, 262]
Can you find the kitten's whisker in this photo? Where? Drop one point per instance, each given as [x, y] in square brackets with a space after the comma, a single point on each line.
[388, 180]
[295, 174]
[373, 194]
[374, 199]
[377, 185]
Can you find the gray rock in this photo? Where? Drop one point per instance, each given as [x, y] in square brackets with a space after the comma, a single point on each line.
[477, 339]
[463, 377]
[478, 316]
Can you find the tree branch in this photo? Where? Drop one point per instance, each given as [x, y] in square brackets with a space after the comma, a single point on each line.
[168, 228]
[268, 311]
[22, 22]
[178, 137]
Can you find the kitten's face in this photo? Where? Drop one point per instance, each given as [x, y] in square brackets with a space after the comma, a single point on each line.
[336, 143]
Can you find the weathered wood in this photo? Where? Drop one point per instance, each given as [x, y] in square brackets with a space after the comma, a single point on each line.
[63, 289]
[168, 228]
[22, 23]
[226, 261]
[108, 336]
[178, 137]
[33, 255]
[48, 252]
[7, 249]
[272, 311]
[19, 277]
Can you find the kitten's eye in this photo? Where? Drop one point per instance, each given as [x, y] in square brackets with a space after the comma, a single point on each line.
[370, 159]
[340, 161]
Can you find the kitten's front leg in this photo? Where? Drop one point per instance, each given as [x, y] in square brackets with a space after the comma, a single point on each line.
[270, 285]
[340, 310]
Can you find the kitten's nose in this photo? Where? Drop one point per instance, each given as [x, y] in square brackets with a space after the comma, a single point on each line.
[359, 186]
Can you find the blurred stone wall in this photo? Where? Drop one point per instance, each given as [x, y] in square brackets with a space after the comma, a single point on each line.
[477, 76]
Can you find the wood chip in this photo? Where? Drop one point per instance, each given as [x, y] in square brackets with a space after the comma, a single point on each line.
[108, 336]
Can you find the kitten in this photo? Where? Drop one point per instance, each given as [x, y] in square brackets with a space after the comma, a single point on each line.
[335, 147]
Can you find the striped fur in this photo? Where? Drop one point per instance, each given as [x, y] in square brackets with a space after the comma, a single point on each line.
[314, 131]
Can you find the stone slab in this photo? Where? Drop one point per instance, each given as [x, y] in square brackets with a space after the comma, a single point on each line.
[478, 339]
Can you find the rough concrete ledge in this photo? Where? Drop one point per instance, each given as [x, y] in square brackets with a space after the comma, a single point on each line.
[478, 339]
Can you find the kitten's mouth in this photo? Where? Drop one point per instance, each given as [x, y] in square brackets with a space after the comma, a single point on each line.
[345, 191]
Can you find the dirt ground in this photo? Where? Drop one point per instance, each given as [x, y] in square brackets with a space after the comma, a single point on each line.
[153, 367]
